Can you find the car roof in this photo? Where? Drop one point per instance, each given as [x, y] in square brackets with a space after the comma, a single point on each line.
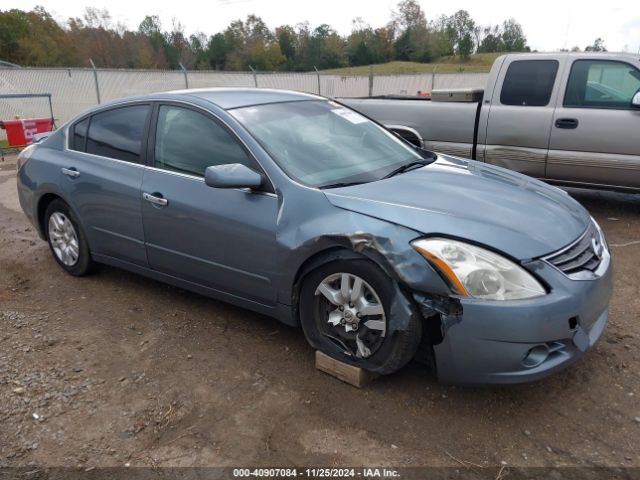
[229, 98]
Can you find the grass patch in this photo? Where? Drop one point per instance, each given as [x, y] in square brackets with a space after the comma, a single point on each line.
[480, 62]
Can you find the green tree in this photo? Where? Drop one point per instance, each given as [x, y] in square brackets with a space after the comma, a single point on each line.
[598, 46]
[46, 43]
[326, 48]
[363, 45]
[513, 38]
[14, 26]
[198, 45]
[413, 41]
[286, 38]
[491, 40]
[462, 28]
[465, 46]
[217, 50]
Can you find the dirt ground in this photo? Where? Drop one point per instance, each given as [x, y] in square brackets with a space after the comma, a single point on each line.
[116, 369]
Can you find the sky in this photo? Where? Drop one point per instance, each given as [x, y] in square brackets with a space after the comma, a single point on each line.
[548, 25]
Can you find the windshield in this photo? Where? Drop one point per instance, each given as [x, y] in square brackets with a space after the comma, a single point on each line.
[320, 143]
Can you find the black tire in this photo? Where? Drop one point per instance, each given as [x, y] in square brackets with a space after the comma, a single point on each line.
[83, 263]
[396, 348]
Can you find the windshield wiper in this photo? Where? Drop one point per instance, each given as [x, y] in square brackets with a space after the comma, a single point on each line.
[406, 167]
[340, 184]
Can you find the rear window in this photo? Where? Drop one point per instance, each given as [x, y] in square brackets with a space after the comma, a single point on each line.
[118, 133]
[529, 83]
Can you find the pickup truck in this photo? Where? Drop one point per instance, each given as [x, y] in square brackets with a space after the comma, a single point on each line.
[567, 118]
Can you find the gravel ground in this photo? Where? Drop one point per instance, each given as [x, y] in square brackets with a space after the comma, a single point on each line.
[116, 369]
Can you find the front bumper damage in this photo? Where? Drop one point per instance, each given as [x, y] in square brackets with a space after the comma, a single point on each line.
[506, 342]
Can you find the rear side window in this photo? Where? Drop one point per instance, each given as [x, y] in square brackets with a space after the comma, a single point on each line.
[529, 83]
[79, 137]
[118, 133]
[601, 84]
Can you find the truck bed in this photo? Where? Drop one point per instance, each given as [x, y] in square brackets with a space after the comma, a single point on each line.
[433, 121]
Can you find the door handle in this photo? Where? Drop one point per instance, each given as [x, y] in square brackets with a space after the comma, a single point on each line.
[567, 123]
[156, 200]
[71, 172]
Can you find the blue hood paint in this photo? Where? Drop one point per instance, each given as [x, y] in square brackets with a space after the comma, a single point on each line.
[518, 215]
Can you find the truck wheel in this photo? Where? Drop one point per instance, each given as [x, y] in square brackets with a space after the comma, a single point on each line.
[66, 239]
[345, 312]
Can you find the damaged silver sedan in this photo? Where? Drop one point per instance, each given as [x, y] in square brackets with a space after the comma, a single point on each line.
[297, 207]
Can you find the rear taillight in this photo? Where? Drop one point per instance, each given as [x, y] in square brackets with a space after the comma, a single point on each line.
[25, 155]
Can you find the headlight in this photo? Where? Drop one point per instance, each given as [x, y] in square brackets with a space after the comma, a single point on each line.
[474, 271]
[603, 240]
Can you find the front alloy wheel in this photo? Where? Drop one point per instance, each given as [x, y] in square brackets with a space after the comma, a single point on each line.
[344, 309]
[349, 311]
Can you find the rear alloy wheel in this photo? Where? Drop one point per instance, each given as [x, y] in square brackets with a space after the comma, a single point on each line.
[345, 313]
[66, 239]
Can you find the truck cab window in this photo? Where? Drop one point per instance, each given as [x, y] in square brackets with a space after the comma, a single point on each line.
[529, 83]
[601, 84]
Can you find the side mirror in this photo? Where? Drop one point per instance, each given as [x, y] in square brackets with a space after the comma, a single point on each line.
[635, 101]
[232, 175]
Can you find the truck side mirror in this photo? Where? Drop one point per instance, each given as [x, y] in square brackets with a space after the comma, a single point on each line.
[635, 102]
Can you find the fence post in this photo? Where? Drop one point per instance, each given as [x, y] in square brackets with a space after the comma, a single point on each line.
[318, 75]
[184, 72]
[255, 76]
[371, 80]
[95, 79]
[433, 78]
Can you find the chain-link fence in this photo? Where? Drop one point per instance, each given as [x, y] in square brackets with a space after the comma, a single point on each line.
[76, 89]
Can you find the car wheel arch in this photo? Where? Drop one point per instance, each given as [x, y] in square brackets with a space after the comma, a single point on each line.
[322, 257]
[44, 201]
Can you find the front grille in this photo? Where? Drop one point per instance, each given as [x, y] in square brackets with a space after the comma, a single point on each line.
[584, 254]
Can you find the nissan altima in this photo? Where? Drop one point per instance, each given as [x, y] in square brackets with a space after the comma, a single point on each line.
[297, 207]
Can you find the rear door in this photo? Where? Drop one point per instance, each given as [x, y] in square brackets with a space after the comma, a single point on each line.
[102, 174]
[219, 238]
[520, 112]
[594, 136]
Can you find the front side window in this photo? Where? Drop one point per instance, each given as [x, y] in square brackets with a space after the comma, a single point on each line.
[529, 83]
[117, 133]
[601, 84]
[188, 142]
[321, 143]
[79, 135]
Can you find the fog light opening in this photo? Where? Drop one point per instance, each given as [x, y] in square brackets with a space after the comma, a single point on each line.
[573, 323]
[535, 356]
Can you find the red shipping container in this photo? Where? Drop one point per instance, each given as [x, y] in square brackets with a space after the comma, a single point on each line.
[21, 132]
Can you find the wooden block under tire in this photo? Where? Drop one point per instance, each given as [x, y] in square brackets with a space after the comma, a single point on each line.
[355, 376]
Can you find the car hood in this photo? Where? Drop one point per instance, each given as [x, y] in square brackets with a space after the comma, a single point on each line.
[510, 212]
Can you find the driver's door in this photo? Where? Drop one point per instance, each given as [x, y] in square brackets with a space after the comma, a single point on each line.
[218, 238]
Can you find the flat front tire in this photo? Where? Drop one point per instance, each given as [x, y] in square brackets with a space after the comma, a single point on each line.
[345, 313]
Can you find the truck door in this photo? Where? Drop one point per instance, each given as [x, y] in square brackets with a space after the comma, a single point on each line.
[594, 135]
[519, 115]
